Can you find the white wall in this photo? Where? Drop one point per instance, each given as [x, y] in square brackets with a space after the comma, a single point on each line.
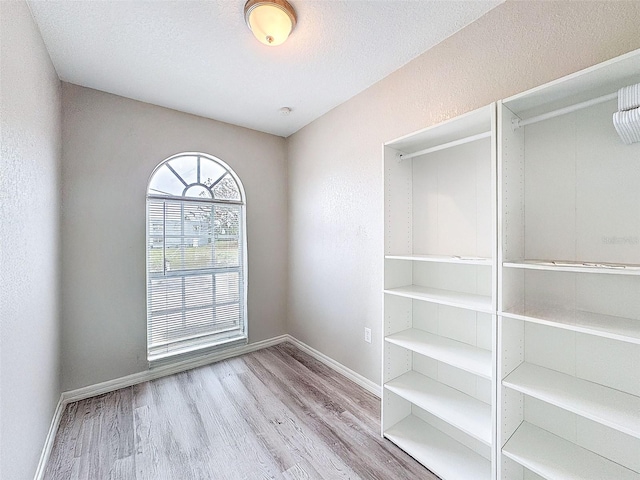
[30, 119]
[335, 163]
[111, 146]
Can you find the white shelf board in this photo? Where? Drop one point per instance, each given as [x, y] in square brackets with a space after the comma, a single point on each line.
[440, 453]
[606, 77]
[464, 412]
[613, 408]
[557, 459]
[471, 123]
[470, 301]
[607, 326]
[577, 267]
[442, 259]
[457, 354]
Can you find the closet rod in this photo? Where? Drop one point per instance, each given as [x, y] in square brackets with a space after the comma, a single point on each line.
[517, 123]
[437, 148]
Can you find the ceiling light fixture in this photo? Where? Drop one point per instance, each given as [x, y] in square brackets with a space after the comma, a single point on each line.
[271, 21]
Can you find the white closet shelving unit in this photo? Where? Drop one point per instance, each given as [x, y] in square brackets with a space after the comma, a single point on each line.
[512, 287]
[440, 298]
[568, 283]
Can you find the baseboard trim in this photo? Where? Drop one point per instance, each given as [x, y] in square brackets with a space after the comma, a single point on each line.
[48, 441]
[338, 367]
[165, 370]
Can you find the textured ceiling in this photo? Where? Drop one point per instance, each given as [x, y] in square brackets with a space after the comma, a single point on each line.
[199, 57]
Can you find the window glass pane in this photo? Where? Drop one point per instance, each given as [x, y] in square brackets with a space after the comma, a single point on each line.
[186, 167]
[198, 321]
[196, 256]
[226, 222]
[173, 219]
[188, 256]
[162, 327]
[227, 235]
[155, 255]
[226, 189]
[165, 295]
[172, 257]
[210, 172]
[197, 243]
[189, 236]
[198, 291]
[227, 252]
[227, 290]
[164, 182]
[228, 315]
[198, 191]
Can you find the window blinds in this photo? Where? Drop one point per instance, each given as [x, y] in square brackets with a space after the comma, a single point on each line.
[195, 281]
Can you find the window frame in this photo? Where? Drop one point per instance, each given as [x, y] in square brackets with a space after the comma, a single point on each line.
[223, 343]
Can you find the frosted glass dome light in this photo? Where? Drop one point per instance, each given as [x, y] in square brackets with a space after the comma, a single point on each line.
[271, 21]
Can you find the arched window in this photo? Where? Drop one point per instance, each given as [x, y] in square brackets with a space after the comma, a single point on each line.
[196, 257]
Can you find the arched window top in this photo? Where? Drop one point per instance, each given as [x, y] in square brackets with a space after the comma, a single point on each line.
[195, 176]
[196, 257]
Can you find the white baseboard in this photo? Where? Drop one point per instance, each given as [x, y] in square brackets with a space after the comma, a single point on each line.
[338, 367]
[165, 370]
[48, 441]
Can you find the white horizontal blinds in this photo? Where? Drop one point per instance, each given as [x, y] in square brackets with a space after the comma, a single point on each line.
[195, 256]
[195, 274]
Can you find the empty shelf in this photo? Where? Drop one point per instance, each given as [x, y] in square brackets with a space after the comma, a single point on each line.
[608, 326]
[457, 354]
[442, 259]
[471, 301]
[557, 459]
[613, 408]
[464, 412]
[440, 453]
[578, 267]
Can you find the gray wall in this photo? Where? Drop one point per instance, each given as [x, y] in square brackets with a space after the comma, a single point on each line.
[30, 119]
[335, 163]
[331, 271]
[111, 146]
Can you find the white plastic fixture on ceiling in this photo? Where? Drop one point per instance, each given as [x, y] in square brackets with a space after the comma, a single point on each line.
[199, 57]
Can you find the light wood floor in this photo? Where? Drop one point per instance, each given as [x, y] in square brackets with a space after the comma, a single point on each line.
[276, 413]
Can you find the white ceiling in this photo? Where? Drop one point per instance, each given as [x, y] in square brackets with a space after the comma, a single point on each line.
[199, 57]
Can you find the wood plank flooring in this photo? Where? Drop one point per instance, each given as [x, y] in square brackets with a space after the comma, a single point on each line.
[272, 414]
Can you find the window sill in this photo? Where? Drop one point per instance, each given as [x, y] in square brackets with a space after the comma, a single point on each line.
[190, 352]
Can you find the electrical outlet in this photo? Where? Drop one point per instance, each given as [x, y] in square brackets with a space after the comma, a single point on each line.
[367, 335]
